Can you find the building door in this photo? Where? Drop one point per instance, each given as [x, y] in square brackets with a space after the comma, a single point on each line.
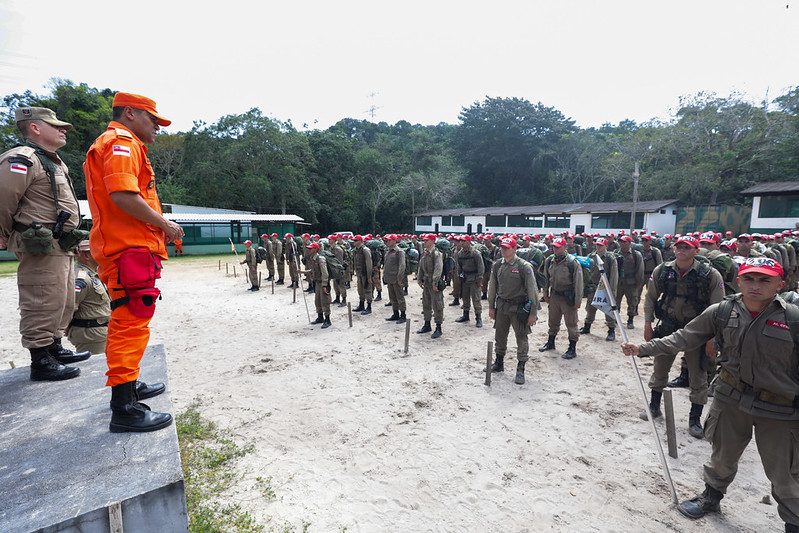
[579, 229]
[479, 228]
[436, 230]
[468, 229]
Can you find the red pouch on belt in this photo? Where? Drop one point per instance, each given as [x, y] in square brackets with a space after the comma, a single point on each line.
[142, 301]
[138, 269]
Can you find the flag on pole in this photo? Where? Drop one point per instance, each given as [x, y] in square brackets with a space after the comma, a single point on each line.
[232, 246]
[601, 300]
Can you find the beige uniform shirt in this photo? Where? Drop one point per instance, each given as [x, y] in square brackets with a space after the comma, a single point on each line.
[561, 278]
[319, 268]
[394, 265]
[511, 283]
[680, 309]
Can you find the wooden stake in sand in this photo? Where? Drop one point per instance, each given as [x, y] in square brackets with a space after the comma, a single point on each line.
[349, 312]
[671, 432]
[294, 295]
[407, 334]
[115, 517]
[227, 269]
[12, 364]
[488, 362]
[220, 264]
[234, 271]
[273, 285]
[259, 280]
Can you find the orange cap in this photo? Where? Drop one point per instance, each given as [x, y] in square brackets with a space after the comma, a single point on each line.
[139, 102]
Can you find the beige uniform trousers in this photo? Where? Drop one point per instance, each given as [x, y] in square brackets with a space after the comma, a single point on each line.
[46, 286]
[558, 308]
[633, 296]
[364, 288]
[432, 304]
[92, 339]
[396, 295]
[321, 300]
[502, 325]
[697, 377]
[729, 430]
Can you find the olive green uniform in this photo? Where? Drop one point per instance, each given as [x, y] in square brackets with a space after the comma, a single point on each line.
[293, 254]
[456, 282]
[757, 387]
[89, 327]
[510, 284]
[319, 277]
[393, 273]
[280, 259]
[251, 260]
[45, 281]
[564, 289]
[270, 258]
[470, 273]
[339, 285]
[630, 283]
[362, 263]
[431, 269]
[677, 312]
[612, 273]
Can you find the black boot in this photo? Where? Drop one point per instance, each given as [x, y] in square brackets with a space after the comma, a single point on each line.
[550, 345]
[484, 297]
[310, 288]
[254, 288]
[499, 363]
[320, 319]
[464, 318]
[127, 414]
[585, 330]
[343, 302]
[611, 335]
[707, 502]
[571, 353]
[694, 421]
[388, 304]
[368, 310]
[478, 321]
[519, 379]
[402, 318]
[394, 316]
[405, 290]
[326, 323]
[426, 328]
[270, 278]
[455, 302]
[67, 357]
[379, 296]
[630, 324]
[654, 405]
[45, 368]
[144, 391]
[360, 307]
[437, 333]
[337, 300]
[279, 282]
[681, 380]
[791, 528]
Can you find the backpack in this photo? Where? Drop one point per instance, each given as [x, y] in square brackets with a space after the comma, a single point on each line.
[486, 254]
[377, 248]
[412, 255]
[619, 262]
[586, 270]
[791, 316]
[697, 278]
[335, 268]
[260, 254]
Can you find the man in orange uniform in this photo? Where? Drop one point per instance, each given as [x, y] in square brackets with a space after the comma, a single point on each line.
[128, 240]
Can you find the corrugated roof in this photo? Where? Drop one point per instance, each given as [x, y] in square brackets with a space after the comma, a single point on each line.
[207, 217]
[772, 188]
[552, 209]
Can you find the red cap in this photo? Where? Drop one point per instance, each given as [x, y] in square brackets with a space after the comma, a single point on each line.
[358, 238]
[274, 235]
[508, 242]
[728, 234]
[332, 238]
[687, 239]
[626, 238]
[265, 235]
[601, 241]
[709, 237]
[139, 102]
[428, 237]
[646, 237]
[732, 245]
[761, 265]
[288, 236]
[667, 236]
[467, 238]
[390, 237]
[313, 246]
[306, 235]
[247, 242]
[559, 242]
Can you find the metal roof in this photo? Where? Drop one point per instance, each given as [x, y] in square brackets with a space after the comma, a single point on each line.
[771, 188]
[232, 216]
[553, 209]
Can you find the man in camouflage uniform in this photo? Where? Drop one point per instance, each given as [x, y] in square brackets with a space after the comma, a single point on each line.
[612, 273]
[280, 258]
[470, 270]
[45, 276]
[431, 270]
[339, 285]
[652, 257]
[563, 292]
[269, 256]
[318, 274]
[395, 278]
[456, 282]
[89, 326]
[293, 254]
[511, 285]
[251, 260]
[632, 279]
[677, 292]
[362, 264]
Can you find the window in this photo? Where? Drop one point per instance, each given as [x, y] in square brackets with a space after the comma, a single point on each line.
[525, 221]
[779, 207]
[452, 221]
[616, 220]
[424, 221]
[557, 222]
[493, 221]
[446, 221]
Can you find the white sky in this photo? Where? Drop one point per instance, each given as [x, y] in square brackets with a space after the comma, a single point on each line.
[316, 62]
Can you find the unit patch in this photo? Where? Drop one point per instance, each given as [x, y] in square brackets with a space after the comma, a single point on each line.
[121, 150]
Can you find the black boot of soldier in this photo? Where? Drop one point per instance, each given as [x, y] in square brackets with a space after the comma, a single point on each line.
[571, 353]
[45, 368]
[707, 502]
[343, 302]
[695, 422]
[791, 528]
[394, 316]
[144, 391]
[67, 357]
[360, 307]
[611, 335]
[337, 300]
[550, 345]
[519, 379]
[585, 330]
[379, 296]
[326, 323]
[464, 318]
[630, 324]
[405, 290]
[127, 414]
[402, 318]
[437, 333]
[455, 302]
[681, 380]
[654, 405]
[310, 288]
[368, 310]
[499, 363]
[426, 328]
[320, 319]
[478, 321]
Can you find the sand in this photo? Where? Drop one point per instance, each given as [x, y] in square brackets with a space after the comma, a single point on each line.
[358, 436]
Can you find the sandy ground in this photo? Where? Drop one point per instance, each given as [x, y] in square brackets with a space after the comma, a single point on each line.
[359, 437]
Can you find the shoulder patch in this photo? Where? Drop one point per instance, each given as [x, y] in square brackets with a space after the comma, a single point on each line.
[21, 160]
[79, 285]
[123, 133]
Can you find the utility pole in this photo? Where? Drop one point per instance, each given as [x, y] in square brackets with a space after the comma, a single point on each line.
[373, 107]
[636, 175]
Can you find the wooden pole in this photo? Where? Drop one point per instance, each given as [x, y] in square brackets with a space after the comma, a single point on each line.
[227, 269]
[349, 312]
[273, 285]
[489, 352]
[259, 280]
[234, 271]
[407, 334]
[294, 295]
[671, 432]
[220, 264]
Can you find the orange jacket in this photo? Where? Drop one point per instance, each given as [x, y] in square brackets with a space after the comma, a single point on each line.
[117, 161]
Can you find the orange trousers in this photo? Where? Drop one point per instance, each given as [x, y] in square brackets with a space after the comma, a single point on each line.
[127, 334]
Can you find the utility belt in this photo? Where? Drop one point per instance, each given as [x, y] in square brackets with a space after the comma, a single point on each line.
[567, 294]
[512, 301]
[82, 323]
[762, 395]
[37, 239]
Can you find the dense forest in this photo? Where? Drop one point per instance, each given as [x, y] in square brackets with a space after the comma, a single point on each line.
[362, 176]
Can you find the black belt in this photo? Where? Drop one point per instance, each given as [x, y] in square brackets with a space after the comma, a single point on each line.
[19, 227]
[762, 395]
[81, 323]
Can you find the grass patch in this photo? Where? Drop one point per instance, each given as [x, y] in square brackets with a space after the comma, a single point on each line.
[8, 268]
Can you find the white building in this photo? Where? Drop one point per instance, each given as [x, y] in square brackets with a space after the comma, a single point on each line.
[775, 206]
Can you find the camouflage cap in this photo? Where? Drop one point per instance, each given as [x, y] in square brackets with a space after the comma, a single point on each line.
[40, 113]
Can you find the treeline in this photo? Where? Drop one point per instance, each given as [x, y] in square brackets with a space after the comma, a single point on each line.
[361, 176]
